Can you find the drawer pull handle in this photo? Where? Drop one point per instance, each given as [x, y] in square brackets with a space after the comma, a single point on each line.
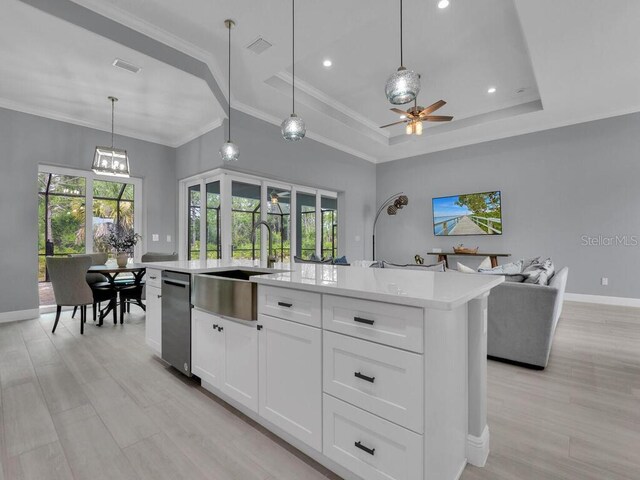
[364, 377]
[285, 304]
[363, 320]
[220, 329]
[370, 451]
[152, 277]
[215, 326]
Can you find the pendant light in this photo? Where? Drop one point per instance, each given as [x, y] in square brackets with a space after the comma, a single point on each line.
[404, 85]
[109, 160]
[229, 151]
[293, 128]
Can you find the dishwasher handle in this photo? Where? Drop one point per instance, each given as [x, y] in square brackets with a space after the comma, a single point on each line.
[176, 283]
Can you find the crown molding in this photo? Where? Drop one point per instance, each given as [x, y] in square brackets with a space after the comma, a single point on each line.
[199, 132]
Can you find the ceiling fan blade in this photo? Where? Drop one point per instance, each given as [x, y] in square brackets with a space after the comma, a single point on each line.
[437, 118]
[398, 111]
[395, 123]
[433, 108]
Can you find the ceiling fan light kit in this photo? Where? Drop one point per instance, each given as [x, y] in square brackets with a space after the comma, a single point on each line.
[229, 151]
[293, 127]
[417, 114]
[403, 85]
[109, 160]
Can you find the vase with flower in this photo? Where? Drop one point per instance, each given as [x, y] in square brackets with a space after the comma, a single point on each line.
[122, 240]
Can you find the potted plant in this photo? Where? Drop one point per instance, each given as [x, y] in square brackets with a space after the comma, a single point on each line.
[122, 240]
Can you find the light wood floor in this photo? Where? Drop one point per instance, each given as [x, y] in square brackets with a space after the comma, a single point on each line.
[102, 407]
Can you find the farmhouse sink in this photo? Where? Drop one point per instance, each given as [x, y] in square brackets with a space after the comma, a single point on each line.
[229, 293]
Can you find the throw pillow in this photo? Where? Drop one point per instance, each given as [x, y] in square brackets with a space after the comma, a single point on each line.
[464, 269]
[539, 272]
[486, 263]
[341, 260]
[314, 258]
[379, 264]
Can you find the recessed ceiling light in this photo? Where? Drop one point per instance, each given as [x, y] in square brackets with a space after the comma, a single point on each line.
[327, 63]
[491, 90]
[443, 3]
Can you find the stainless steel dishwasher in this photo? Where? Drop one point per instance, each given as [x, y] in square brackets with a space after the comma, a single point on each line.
[176, 320]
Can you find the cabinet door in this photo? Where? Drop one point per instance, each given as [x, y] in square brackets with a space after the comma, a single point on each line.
[153, 318]
[207, 347]
[291, 378]
[240, 375]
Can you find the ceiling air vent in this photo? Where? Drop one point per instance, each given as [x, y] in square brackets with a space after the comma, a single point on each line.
[259, 45]
[129, 67]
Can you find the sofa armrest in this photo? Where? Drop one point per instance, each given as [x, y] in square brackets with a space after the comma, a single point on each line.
[521, 322]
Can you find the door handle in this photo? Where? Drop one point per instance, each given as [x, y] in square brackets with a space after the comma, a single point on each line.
[285, 304]
[370, 451]
[175, 284]
[215, 326]
[363, 320]
[364, 377]
[220, 329]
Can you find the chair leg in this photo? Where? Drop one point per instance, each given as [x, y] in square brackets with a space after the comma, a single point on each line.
[58, 310]
[123, 309]
[115, 311]
[82, 319]
[94, 308]
[75, 309]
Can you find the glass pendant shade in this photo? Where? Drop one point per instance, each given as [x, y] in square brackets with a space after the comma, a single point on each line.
[293, 128]
[402, 87]
[408, 129]
[418, 128]
[111, 161]
[229, 151]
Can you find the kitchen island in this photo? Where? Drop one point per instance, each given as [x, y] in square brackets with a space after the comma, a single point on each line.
[374, 373]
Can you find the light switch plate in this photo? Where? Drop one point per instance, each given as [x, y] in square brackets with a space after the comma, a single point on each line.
[155, 237]
[169, 238]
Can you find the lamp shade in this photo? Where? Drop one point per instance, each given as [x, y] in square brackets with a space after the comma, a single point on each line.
[402, 86]
[293, 128]
[229, 151]
[111, 161]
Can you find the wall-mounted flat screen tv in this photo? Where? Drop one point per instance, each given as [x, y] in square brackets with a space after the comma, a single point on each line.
[469, 214]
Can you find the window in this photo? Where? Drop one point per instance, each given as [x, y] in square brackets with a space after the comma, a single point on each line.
[213, 220]
[306, 224]
[62, 217]
[329, 208]
[194, 223]
[279, 219]
[113, 204]
[245, 213]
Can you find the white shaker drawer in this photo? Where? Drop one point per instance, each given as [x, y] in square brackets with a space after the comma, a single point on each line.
[382, 380]
[154, 277]
[295, 305]
[368, 445]
[395, 325]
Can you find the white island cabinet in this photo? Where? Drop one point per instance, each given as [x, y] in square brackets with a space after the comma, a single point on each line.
[153, 317]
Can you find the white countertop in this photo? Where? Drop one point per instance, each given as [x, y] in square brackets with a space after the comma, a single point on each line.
[204, 266]
[442, 291]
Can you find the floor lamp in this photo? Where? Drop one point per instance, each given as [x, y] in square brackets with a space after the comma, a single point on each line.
[394, 203]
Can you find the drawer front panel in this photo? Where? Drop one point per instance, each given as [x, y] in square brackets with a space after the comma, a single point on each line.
[295, 305]
[368, 445]
[382, 380]
[395, 325]
[154, 277]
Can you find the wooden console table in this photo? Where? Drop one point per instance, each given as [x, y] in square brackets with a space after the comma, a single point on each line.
[443, 256]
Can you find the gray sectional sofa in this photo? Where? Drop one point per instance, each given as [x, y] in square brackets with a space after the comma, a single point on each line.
[522, 320]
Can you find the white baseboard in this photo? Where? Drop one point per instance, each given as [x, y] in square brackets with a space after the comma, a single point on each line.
[602, 300]
[478, 448]
[19, 315]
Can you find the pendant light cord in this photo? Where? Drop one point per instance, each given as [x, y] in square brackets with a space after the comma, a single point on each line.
[229, 84]
[401, 57]
[293, 55]
[113, 107]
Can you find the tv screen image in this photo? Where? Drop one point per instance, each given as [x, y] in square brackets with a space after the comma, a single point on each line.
[469, 214]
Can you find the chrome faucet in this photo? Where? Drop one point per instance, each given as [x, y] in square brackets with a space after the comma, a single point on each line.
[271, 258]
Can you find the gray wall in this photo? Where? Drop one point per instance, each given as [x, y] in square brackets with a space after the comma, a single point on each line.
[557, 186]
[26, 141]
[264, 152]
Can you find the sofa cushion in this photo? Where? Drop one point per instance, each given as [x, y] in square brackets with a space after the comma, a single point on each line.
[436, 267]
[513, 268]
[464, 269]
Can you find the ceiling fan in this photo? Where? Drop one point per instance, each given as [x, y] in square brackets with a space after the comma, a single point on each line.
[418, 114]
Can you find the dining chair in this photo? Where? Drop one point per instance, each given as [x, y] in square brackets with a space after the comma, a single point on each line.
[95, 280]
[136, 293]
[70, 287]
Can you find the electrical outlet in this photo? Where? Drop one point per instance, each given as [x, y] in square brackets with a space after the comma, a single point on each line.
[155, 237]
[605, 281]
[168, 238]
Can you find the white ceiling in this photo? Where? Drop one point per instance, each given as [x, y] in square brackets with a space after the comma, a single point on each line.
[574, 59]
